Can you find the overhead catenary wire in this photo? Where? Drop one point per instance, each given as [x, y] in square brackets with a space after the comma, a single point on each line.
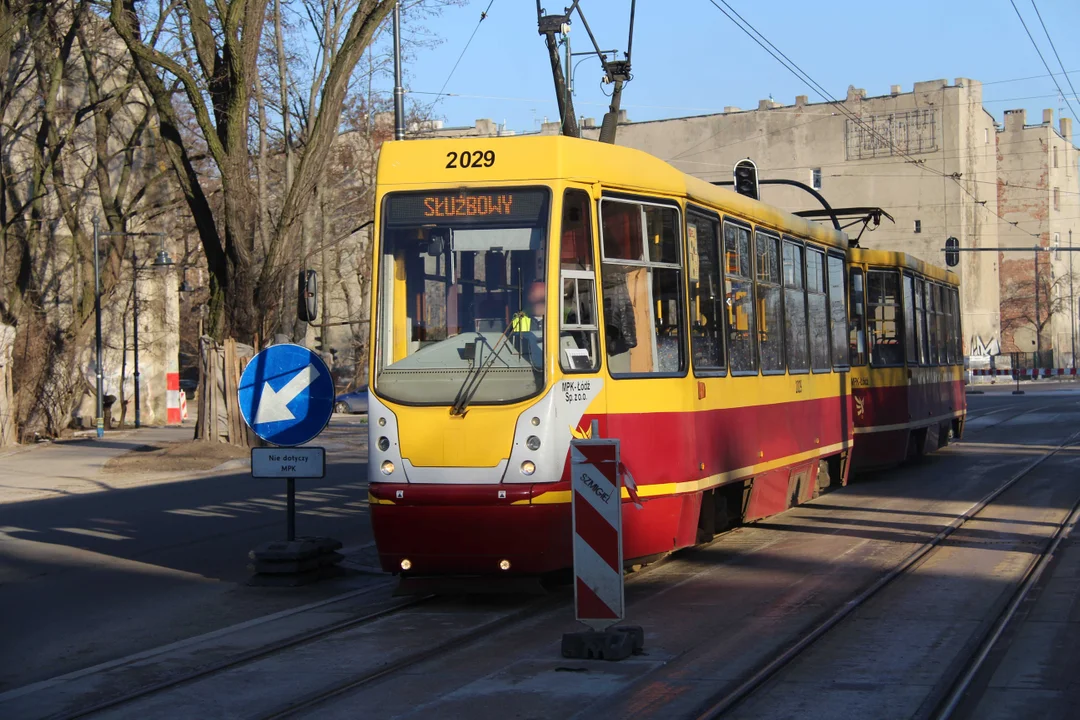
[753, 33]
[483, 16]
[1041, 57]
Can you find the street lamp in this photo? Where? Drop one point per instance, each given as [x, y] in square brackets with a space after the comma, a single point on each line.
[161, 261]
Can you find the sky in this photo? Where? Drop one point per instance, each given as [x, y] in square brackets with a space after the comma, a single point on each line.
[689, 59]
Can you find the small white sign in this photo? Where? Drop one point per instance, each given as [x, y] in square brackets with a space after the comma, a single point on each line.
[296, 462]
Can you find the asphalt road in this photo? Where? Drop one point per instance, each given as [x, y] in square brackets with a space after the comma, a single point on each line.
[91, 577]
[112, 573]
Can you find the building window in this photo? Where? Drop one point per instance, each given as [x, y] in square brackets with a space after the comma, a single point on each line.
[1057, 199]
[1055, 157]
[918, 226]
[641, 272]
[815, 177]
[986, 135]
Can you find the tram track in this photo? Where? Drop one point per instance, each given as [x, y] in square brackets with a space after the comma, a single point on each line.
[730, 699]
[958, 693]
[238, 661]
[311, 701]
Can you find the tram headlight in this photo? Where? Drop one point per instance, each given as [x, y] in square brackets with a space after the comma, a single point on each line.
[387, 467]
[406, 564]
[384, 443]
[528, 467]
[504, 564]
[535, 421]
[533, 443]
[382, 422]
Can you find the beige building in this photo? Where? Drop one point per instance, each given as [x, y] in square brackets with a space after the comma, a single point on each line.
[1039, 190]
[928, 157]
[935, 160]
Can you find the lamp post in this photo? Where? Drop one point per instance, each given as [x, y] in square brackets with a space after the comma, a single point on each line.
[161, 260]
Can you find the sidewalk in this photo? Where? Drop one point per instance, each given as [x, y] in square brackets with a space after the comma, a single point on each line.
[73, 467]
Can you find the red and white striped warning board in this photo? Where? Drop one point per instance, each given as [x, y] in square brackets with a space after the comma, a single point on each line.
[597, 511]
[1028, 372]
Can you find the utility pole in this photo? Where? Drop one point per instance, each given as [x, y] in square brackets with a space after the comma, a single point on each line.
[99, 421]
[135, 330]
[548, 26]
[1038, 315]
[1072, 306]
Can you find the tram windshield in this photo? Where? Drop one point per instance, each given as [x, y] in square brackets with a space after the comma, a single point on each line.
[461, 296]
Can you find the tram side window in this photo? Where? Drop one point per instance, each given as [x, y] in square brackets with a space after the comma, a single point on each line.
[817, 308]
[943, 326]
[950, 327]
[857, 328]
[643, 319]
[798, 354]
[770, 316]
[920, 322]
[706, 293]
[884, 304]
[739, 298]
[838, 312]
[931, 324]
[579, 337]
[957, 326]
[911, 348]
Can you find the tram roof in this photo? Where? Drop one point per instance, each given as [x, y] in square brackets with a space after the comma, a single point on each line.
[416, 164]
[889, 258]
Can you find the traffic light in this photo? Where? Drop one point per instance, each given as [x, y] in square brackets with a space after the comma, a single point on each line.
[746, 182]
[952, 255]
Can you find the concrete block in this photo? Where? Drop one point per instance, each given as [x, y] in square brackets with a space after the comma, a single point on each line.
[617, 643]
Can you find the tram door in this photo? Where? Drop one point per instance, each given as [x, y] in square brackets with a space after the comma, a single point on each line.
[578, 339]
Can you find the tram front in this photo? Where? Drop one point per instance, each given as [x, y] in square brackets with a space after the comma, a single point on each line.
[467, 428]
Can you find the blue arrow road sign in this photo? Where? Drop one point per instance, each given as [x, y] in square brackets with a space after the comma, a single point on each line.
[286, 395]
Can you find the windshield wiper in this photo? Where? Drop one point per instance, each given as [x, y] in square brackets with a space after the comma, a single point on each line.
[476, 376]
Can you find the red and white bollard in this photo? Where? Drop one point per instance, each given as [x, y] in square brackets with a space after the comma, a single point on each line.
[599, 600]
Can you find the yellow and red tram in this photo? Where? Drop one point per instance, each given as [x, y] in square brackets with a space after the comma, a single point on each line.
[525, 287]
[907, 358]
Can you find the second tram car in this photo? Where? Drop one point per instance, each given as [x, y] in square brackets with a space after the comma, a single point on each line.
[907, 357]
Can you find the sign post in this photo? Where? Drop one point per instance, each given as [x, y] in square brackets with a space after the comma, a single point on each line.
[599, 600]
[286, 396]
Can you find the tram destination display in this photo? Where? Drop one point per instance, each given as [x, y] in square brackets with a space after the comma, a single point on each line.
[505, 207]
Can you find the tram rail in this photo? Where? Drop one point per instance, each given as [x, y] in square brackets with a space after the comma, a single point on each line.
[728, 700]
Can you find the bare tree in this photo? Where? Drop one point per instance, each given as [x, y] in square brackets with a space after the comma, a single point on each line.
[218, 87]
[73, 141]
[1019, 309]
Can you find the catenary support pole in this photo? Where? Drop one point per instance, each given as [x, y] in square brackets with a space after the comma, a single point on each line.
[100, 419]
[1038, 315]
[135, 330]
[1072, 308]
